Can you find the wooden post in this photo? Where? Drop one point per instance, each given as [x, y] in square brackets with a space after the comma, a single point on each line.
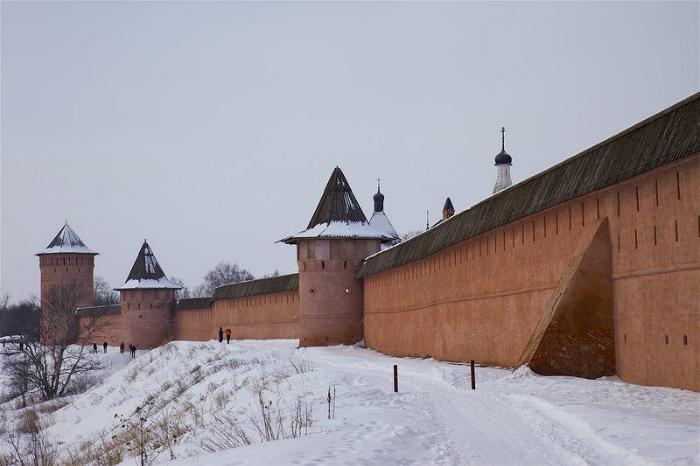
[396, 378]
[473, 376]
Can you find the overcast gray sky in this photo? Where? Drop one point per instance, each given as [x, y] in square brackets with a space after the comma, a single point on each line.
[211, 128]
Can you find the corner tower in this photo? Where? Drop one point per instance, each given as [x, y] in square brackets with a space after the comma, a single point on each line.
[147, 302]
[66, 262]
[329, 252]
[503, 164]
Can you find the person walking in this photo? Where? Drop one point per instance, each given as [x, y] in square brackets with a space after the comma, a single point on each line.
[228, 336]
[104, 347]
[94, 348]
[121, 348]
[221, 334]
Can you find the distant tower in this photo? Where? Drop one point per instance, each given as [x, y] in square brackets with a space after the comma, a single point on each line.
[147, 302]
[379, 221]
[329, 252]
[66, 262]
[448, 209]
[503, 163]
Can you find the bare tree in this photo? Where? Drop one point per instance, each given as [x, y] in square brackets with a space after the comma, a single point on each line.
[223, 273]
[184, 291]
[47, 357]
[104, 294]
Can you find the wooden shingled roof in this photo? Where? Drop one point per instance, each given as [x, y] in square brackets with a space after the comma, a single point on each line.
[338, 203]
[670, 135]
[193, 303]
[98, 311]
[260, 286]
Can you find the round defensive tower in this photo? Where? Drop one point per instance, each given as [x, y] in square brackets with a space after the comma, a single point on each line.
[329, 253]
[147, 302]
[66, 263]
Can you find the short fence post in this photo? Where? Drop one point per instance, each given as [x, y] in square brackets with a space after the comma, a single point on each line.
[396, 378]
[473, 376]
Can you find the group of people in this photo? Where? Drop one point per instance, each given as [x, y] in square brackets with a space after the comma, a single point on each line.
[104, 347]
[221, 335]
[132, 348]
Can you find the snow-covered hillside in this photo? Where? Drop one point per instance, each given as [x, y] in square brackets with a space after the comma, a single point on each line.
[219, 404]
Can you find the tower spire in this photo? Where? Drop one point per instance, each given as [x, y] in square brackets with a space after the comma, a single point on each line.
[503, 163]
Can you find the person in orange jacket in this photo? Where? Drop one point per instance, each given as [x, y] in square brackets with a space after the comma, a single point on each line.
[228, 336]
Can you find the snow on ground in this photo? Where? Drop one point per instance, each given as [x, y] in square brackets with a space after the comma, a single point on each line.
[516, 418]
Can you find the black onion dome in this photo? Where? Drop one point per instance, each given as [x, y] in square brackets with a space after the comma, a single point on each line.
[503, 158]
[378, 201]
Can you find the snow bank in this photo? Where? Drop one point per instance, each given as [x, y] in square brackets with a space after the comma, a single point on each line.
[214, 389]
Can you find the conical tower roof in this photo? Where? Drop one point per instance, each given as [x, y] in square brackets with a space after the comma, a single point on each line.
[338, 215]
[67, 241]
[146, 272]
[448, 205]
[338, 203]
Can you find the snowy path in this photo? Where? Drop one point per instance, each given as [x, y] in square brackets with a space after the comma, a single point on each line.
[486, 427]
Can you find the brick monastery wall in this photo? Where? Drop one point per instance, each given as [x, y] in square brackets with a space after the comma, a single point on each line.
[98, 330]
[194, 324]
[482, 298]
[266, 316]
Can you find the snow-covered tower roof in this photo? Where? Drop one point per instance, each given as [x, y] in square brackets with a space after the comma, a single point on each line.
[146, 272]
[67, 241]
[379, 220]
[338, 215]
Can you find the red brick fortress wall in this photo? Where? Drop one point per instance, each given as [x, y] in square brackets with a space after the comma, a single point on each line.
[194, 324]
[260, 317]
[482, 298]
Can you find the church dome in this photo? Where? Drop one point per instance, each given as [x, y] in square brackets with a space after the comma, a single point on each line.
[378, 201]
[503, 158]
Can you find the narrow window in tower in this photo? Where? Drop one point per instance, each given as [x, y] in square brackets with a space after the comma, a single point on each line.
[569, 218]
[479, 247]
[618, 203]
[666, 338]
[533, 231]
[504, 240]
[685, 340]
[345, 265]
[655, 242]
[556, 222]
[618, 242]
[513, 238]
[323, 265]
[583, 216]
[656, 189]
[676, 226]
[625, 338]
[636, 192]
[678, 184]
[522, 233]
[597, 207]
[636, 244]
